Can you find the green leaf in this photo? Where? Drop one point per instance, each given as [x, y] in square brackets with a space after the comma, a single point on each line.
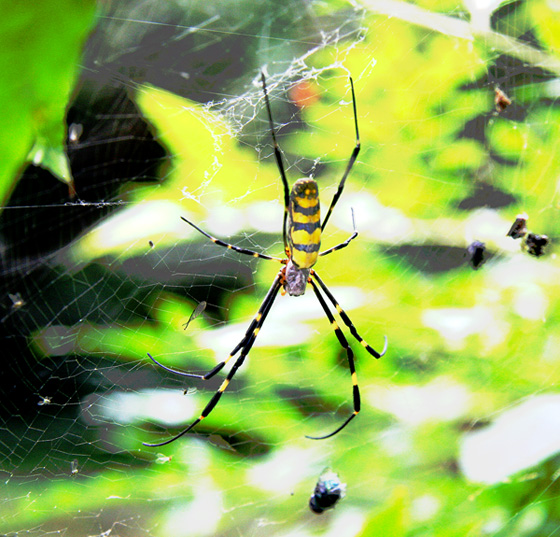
[52, 157]
[391, 519]
[40, 47]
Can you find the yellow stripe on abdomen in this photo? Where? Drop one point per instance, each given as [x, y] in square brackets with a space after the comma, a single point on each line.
[304, 224]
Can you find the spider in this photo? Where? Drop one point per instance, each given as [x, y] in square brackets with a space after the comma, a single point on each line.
[301, 233]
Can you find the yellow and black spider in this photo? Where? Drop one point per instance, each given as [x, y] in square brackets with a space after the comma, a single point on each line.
[301, 232]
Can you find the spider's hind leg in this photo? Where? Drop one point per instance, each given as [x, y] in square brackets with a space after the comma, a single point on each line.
[350, 356]
[347, 321]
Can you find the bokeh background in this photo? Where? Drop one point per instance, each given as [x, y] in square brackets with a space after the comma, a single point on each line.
[118, 118]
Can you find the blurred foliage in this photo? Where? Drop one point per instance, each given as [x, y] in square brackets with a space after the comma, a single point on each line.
[40, 48]
[439, 168]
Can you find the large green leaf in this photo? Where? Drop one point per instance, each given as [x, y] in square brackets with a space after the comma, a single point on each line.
[40, 47]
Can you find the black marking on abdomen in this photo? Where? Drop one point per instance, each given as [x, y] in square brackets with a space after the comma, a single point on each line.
[309, 248]
[310, 227]
[306, 211]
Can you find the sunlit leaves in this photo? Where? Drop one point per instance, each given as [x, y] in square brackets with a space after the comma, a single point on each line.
[547, 24]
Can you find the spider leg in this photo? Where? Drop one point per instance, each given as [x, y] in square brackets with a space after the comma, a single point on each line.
[347, 320]
[246, 344]
[218, 367]
[280, 164]
[346, 242]
[351, 162]
[231, 246]
[350, 356]
[206, 376]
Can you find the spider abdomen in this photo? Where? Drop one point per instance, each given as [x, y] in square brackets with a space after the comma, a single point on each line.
[304, 224]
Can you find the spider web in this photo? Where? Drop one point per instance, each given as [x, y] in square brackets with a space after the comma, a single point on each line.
[457, 434]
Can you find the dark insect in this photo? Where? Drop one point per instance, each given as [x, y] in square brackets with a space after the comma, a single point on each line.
[328, 491]
[196, 312]
[501, 100]
[519, 228]
[301, 232]
[476, 252]
[535, 244]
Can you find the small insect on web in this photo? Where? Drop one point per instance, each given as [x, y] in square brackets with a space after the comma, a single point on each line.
[328, 491]
[532, 243]
[501, 100]
[301, 233]
[197, 312]
[476, 251]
